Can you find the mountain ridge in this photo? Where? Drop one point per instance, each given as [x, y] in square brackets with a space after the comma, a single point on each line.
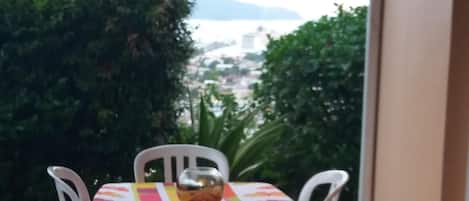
[235, 10]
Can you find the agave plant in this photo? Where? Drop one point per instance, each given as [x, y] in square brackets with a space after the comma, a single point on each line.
[237, 136]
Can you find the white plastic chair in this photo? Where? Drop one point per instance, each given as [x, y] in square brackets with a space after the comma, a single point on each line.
[336, 178]
[179, 151]
[59, 174]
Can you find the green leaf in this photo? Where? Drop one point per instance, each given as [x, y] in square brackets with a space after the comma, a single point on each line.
[246, 172]
[205, 124]
[218, 129]
[253, 148]
[231, 142]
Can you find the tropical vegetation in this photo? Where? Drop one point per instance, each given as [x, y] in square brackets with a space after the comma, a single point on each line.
[314, 78]
[238, 133]
[86, 84]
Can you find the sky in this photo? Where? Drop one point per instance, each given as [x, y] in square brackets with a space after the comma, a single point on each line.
[308, 9]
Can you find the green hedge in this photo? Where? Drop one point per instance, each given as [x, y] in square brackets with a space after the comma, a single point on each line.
[314, 76]
[86, 84]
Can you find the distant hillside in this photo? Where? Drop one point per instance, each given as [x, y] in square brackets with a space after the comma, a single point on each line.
[234, 10]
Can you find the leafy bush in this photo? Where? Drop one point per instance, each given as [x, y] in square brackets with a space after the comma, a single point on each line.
[86, 84]
[314, 76]
[235, 132]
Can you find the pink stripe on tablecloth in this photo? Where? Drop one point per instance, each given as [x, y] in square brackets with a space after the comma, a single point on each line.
[99, 199]
[146, 190]
[117, 188]
[147, 193]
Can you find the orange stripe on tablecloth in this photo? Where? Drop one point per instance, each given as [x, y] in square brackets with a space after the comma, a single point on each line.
[229, 194]
[110, 194]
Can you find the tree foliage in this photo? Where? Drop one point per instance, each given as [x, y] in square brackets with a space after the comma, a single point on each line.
[236, 132]
[314, 76]
[86, 84]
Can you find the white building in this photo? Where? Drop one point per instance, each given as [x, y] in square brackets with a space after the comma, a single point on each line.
[248, 40]
[223, 66]
[257, 40]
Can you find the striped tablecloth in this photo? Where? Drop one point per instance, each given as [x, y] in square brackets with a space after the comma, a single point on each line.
[167, 192]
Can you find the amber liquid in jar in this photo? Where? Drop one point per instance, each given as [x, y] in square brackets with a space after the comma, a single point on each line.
[213, 193]
[200, 184]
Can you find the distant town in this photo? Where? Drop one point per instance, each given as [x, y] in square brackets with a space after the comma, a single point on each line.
[229, 46]
[234, 66]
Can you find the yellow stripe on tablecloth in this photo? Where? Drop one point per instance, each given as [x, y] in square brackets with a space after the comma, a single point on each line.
[133, 188]
[171, 192]
[145, 185]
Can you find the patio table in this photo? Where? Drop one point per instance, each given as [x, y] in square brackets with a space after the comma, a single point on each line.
[233, 191]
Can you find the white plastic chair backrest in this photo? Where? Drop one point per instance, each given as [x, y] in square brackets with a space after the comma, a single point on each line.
[179, 151]
[59, 174]
[336, 178]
